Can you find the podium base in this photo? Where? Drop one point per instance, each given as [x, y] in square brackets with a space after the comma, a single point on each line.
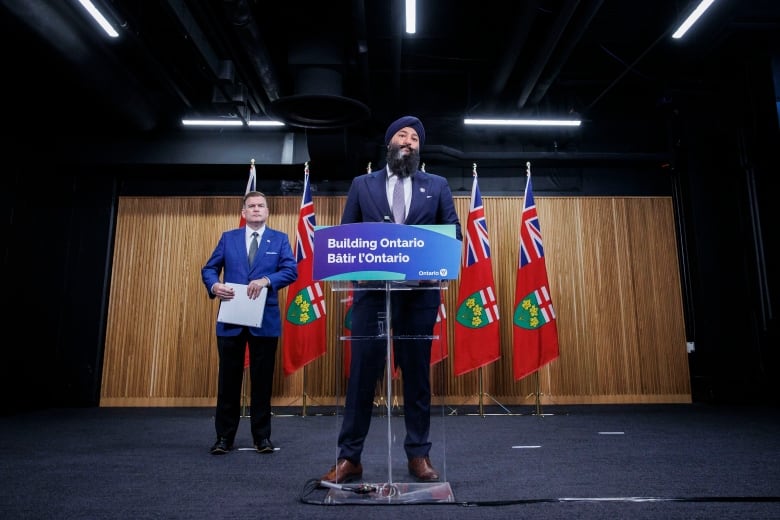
[392, 493]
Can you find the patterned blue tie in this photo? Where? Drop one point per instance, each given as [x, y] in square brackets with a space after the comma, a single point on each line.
[398, 201]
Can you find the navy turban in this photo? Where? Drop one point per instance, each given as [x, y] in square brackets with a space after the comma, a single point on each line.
[403, 122]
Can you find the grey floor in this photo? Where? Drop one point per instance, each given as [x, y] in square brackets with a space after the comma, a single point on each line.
[615, 461]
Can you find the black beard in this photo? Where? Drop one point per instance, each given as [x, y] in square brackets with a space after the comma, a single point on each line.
[400, 164]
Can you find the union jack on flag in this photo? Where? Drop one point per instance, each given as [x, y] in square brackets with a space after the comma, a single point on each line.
[531, 247]
[305, 232]
[477, 240]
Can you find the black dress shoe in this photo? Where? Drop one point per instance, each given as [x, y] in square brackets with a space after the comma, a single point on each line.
[264, 446]
[221, 447]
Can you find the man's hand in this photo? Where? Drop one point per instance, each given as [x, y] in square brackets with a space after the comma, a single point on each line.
[223, 292]
[254, 287]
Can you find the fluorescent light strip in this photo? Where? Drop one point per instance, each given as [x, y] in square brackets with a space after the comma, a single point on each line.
[695, 15]
[265, 123]
[211, 122]
[228, 122]
[99, 18]
[411, 16]
[523, 122]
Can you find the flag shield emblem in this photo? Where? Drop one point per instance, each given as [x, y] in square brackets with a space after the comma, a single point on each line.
[301, 309]
[472, 312]
[531, 312]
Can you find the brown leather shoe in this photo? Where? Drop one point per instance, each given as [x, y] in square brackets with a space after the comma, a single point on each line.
[343, 471]
[421, 469]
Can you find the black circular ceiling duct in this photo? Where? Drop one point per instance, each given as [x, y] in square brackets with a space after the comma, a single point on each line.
[318, 102]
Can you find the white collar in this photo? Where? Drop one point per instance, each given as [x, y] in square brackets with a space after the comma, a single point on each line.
[249, 232]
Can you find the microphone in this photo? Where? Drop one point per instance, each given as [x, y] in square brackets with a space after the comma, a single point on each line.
[360, 489]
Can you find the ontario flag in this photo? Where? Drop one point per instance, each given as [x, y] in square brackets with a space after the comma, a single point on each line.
[303, 329]
[348, 333]
[347, 325]
[440, 345]
[251, 185]
[477, 332]
[535, 329]
[438, 348]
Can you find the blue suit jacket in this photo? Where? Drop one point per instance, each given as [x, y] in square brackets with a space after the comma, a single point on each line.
[431, 204]
[431, 201]
[274, 259]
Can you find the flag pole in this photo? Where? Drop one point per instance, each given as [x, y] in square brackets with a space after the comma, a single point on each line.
[250, 186]
[538, 394]
[303, 396]
[482, 395]
[537, 402]
[244, 397]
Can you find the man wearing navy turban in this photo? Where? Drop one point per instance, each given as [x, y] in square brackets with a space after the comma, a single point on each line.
[427, 199]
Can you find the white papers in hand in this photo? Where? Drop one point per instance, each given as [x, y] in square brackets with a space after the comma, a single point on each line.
[241, 310]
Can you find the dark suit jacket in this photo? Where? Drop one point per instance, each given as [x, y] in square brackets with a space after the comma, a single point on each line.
[431, 201]
[431, 204]
[274, 259]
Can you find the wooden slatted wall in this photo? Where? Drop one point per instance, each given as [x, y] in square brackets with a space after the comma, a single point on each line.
[613, 270]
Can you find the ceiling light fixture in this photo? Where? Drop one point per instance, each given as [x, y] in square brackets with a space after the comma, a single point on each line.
[212, 122]
[264, 123]
[411, 16]
[99, 18]
[523, 122]
[230, 122]
[695, 15]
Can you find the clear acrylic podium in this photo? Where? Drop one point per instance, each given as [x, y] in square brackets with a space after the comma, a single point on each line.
[385, 472]
[389, 258]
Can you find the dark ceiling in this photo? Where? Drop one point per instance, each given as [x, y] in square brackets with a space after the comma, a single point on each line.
[345, 69]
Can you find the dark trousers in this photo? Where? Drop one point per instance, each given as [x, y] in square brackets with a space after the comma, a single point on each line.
[262, 360]
[413, 314]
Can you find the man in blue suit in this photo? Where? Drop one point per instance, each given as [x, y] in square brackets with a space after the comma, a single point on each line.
[424, 199]
[272, 267]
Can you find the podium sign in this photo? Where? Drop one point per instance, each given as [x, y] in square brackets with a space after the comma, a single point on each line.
[386, 251]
